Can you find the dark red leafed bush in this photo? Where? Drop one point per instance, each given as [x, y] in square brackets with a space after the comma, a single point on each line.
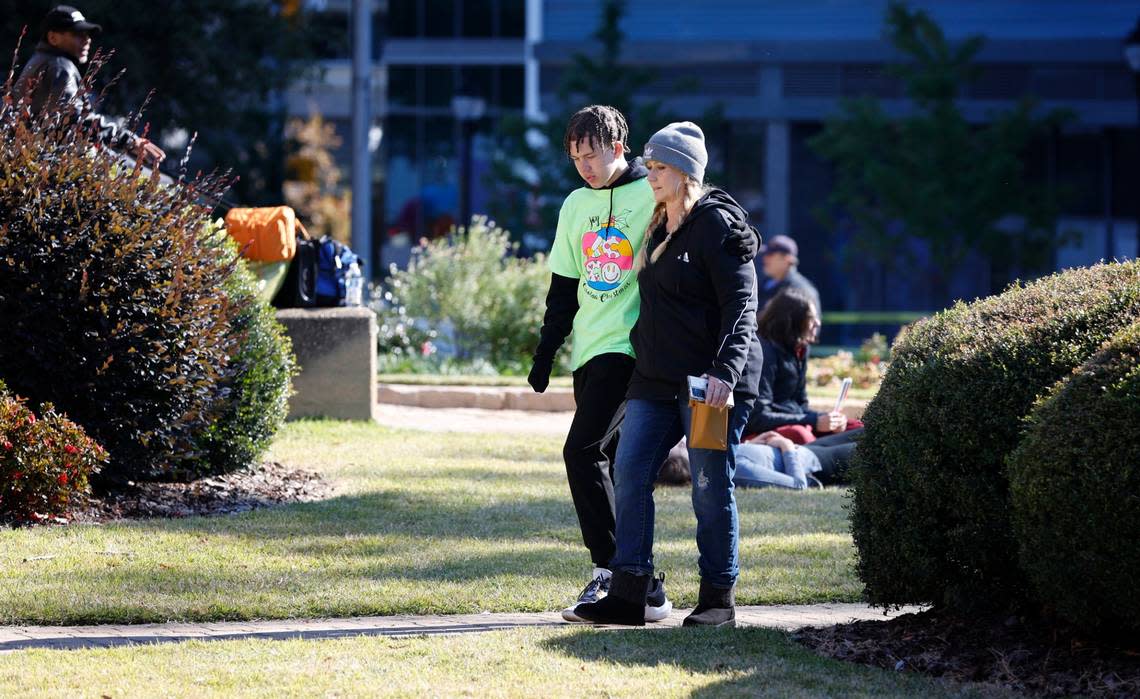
[45, 461]
[112, 300]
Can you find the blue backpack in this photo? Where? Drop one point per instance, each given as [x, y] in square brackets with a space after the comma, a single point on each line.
[333, 261]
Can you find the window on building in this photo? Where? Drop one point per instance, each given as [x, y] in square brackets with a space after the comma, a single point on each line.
[404, 18]
[743, 163]
[439, 86]
[512, 87]
[402, 87]
[329, 34]
[444, 19]
[478, 19]
[439, 18]
[1080, 173]
[478, 81]
[512, 18]
[423, 143]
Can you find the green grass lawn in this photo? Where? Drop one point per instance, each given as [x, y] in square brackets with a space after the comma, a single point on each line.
[424, 523]
[526, 662]
[421, 523]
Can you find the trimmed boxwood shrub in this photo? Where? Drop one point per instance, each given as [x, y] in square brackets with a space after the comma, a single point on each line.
[112, 299]
[1074, 481]
[930, 503]
[257, 379]
[44, 461]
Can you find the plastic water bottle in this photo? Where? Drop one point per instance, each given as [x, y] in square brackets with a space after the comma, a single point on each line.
[353, 286]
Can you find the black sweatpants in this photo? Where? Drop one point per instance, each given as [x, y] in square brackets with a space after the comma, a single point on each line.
[599, 393]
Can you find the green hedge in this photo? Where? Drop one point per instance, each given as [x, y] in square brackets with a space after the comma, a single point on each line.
[930, 506]
[256, 381]
[1074, 482]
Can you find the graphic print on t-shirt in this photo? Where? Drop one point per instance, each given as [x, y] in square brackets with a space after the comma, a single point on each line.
[607, 253]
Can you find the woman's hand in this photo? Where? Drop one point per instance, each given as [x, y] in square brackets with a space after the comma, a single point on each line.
[774, 439]
[831, 422]
[780, 442]
[717, 392]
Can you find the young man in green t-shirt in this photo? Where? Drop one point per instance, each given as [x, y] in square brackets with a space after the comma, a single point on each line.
[593, 292]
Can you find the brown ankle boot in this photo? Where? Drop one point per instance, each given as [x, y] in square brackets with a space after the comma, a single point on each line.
[716, 606]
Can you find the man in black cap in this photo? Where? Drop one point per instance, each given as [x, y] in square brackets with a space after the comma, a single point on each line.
[780, 258]
[51, 79]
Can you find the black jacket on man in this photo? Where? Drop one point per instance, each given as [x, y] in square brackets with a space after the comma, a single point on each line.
[698, 305]
[770, 288]
[782, 395]
[51, 79]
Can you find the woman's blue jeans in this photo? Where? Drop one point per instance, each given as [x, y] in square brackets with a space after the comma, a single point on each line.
[650, 429]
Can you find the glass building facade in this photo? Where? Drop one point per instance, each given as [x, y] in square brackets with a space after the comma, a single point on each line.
[776, 71]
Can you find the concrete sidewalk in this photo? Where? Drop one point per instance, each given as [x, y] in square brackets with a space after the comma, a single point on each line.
[478, 409]
[523, 399]
[17, 638]
[474, 420]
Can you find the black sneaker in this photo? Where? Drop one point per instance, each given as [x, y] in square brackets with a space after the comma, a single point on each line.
[657, 605]
[596, 589]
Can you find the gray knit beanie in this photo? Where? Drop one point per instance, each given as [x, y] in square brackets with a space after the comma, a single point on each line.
[682, 145]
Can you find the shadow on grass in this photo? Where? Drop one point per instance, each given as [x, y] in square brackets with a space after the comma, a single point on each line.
[447, 515]
[757, 662]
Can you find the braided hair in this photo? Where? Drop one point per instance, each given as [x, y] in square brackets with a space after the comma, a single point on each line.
[599, 125]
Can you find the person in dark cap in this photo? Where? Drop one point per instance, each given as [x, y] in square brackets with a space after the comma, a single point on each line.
[780, 260]
[51, 79]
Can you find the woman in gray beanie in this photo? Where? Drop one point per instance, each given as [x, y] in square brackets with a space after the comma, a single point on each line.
[697, 318]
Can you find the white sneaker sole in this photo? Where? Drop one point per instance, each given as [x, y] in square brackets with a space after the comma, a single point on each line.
[569, 615]
[653, 613]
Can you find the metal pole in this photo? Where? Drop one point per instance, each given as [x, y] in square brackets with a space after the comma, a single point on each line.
[1107, 139]
[1136, 201]
[465, 184]
[361, 122]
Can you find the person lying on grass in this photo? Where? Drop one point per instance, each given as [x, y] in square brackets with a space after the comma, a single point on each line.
[772, 460]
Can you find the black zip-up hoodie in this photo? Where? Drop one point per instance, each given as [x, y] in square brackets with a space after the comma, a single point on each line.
[782, 395]
[698, 305]
[51, 79]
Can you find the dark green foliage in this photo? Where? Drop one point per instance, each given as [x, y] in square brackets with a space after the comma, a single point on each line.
[257, 379]
[44, 461]
[216, 68]
[930, 508]
[1074, 481]
[112, 297]
[932, 175]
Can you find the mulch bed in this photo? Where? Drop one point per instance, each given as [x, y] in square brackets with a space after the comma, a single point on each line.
[1010, 651]
[266, 485]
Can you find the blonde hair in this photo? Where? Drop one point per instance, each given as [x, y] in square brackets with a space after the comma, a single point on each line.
[694, 190]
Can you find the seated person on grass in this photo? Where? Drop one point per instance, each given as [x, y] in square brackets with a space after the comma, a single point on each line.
[785, 327]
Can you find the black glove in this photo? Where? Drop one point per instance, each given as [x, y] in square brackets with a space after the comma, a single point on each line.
[743, 240]
[539, 377]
